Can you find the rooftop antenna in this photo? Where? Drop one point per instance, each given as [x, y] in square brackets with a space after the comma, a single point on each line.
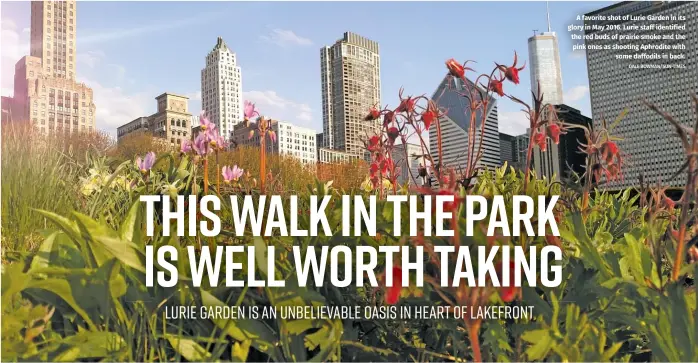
[535, 32]
[547, 11]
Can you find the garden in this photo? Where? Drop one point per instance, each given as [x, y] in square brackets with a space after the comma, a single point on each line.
[74, 241]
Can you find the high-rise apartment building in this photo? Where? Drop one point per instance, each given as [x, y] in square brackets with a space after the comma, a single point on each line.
[221, 88]
[544, 65]
[350, 72]
[45, 91]
[456, 123]
[649, 142]
[506, 149]
[298, 142]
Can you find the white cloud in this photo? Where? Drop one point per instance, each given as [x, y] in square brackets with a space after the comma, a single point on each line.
[513, 122]
[575, 93]
[115, 106]
[90, 58]
[285, 38]
[272, 105]
[15, 45]
[92, 37]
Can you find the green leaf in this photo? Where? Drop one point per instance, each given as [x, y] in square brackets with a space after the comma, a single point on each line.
[240, 351]
[130, 228]
[542, 343]
[63, 290]
[189, 349]
[107, 244]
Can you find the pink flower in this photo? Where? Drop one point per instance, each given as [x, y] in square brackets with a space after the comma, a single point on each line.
[539, 139]
[202, 145]
[554, 133]
[186, 146]
[231, 174]
[217, 141]
[251, 135]
[250, 110]
[145, 164]
[272, 135]
[206, 124]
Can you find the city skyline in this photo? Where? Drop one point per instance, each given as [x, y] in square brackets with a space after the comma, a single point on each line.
[279, 58]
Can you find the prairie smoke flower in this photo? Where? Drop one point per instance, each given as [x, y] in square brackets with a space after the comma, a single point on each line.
[512, 73]
[250, 110]
[497, 87]
[374, 143]
[373, 114]
[231, 174]
[406, 105]
[393, 133]
[388, 118]
[508, 292]
[609, 150]
[539, 139]
[554, 133]
[392, 293]
[145, 164]
[449, 206]
[428, 117]
[455, 69]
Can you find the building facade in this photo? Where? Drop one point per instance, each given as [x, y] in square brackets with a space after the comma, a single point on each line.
[221, 88]
[331, 156]
[407, 158]
[545, 68]
[617, 85]
[455, 125]
[171, 122]
[296, 141]
[506, 149]
[572, 160]
[45, 91]
[350, 74]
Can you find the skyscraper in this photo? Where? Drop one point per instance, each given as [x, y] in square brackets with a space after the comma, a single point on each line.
[221, 88]
[544, 63]
[455, 125]
[350, 73]
[648, 141]
[45, 91]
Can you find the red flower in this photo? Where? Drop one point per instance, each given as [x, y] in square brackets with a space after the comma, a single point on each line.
[496, 86]
[539, 139]
[406, 105]
[388, 118]
[374, 143]
[450, 206]
[512, 73]
[669, 202]
[553, 240]
[393, 133]
[373, 114]
[392, 294]
[428, 117]
[609, 150]
[455, 69]
[507, 292]
[554, 133]
[613, 172]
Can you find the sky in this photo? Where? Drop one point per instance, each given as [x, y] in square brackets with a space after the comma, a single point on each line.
[131, 52]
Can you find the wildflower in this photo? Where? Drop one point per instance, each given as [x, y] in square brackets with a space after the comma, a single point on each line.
[374, 143]
[455, 69]
[145, 164]
[609, 150]
[201, 145]
[393, 133]
[206, 124]
[552, 240]
[392, 294]
[669, 203]
[512, 73]
[388, 118]
[613, 172]
[539, 139]
[497, 87]
[406, 105]
[373, 114]
[428, 117]
[554, 133]
[508, 292]
[250, 110]
[217, 141]
[251, 135]
[272, 136]
[231, 174]
[450, 206]
[186, 146]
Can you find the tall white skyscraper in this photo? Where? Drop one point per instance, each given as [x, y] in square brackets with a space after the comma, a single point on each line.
[544, 63]
[350, 71]
[221, 88]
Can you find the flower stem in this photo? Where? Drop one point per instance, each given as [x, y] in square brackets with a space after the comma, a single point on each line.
[475, 341]
[205, 176]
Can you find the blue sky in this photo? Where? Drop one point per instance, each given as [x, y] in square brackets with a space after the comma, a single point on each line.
[130, 52]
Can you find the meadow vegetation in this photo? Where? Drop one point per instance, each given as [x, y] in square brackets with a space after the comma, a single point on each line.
[73, 246]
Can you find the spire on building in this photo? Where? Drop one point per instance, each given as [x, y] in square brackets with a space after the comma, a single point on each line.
[547, 11]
